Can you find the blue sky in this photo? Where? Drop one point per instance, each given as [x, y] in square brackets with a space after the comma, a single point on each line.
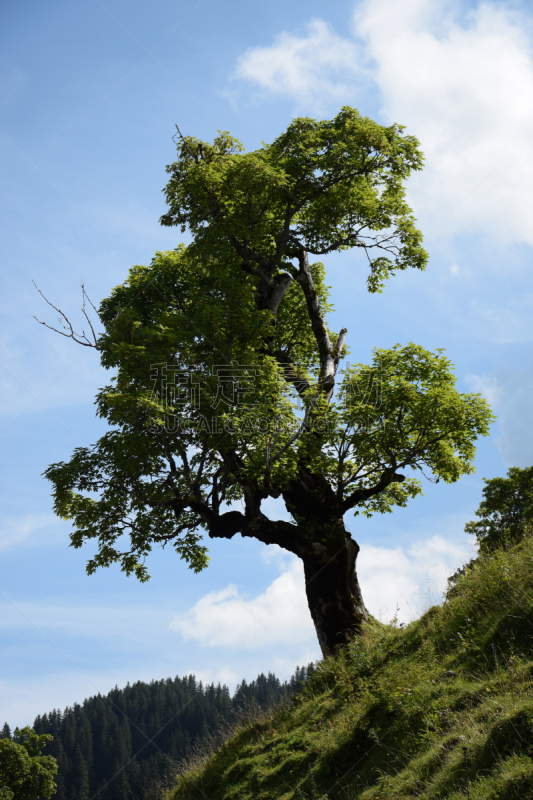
[91, 93]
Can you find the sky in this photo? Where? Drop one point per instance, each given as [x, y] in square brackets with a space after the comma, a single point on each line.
[91, 93]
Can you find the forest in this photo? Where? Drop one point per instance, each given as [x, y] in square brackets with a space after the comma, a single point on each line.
[132, 741]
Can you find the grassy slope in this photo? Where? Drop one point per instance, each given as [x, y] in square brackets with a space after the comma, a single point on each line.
[440, 709]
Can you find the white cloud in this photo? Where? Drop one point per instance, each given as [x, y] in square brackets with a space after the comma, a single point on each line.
[227, 619]
[240, 627]
[460, 88]
[459, 84]
[509, 394]
[59, 663]
[273, 554]
[306, 68]
[486, 385]
[30, 530]
[412, 578]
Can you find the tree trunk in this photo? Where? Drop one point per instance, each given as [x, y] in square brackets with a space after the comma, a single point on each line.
[333, 593]
[328, 553]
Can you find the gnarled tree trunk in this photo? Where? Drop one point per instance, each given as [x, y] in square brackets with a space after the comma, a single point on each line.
[319, 538]
[333, 593]
[329, 556]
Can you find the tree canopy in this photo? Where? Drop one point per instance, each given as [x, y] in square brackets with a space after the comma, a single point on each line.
[506, 512]
[228, 387]
[25, 774]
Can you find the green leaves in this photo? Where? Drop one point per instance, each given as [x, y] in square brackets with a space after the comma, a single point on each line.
[506, 512]
[403, 411]
[120, 495]
[320, 186]
[25, 774]
[224, 368]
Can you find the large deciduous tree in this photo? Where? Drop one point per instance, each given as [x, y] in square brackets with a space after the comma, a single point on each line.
[227, 389]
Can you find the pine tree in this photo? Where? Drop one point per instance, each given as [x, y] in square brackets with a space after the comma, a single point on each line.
[118, 787]
[109, 735]
[81, 776]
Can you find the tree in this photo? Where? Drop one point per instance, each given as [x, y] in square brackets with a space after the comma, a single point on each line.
[226, 390]
[25, 774]
[80, 774]
[506, 512]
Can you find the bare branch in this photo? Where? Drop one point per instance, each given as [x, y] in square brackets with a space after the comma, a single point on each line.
[79, 338]
[190, 152]
[85, 297]
[318, 325]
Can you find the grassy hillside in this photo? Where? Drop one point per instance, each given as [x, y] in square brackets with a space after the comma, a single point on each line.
[440, 709]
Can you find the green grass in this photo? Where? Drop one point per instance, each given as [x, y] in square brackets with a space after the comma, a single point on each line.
[440, 709]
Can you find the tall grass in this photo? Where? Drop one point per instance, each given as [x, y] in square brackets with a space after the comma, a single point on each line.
[442, 708]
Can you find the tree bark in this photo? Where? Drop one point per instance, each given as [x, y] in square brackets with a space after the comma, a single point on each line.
[333, 592]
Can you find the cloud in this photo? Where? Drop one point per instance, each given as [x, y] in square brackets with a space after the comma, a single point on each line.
[458, 82]
[60, 662]
[414, 579]
[233, 631]
[459, 85]
[308, 69]
[226, 618]
[509, 394]
[30, 530]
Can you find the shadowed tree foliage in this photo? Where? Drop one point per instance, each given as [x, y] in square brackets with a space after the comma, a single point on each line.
[227, 390]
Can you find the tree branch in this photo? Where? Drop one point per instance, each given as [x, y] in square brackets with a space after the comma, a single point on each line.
[326, 352]
[79, 338]
[186, 145]
[361, 495]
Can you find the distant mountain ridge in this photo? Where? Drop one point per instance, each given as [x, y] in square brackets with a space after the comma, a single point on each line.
[124, 744]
